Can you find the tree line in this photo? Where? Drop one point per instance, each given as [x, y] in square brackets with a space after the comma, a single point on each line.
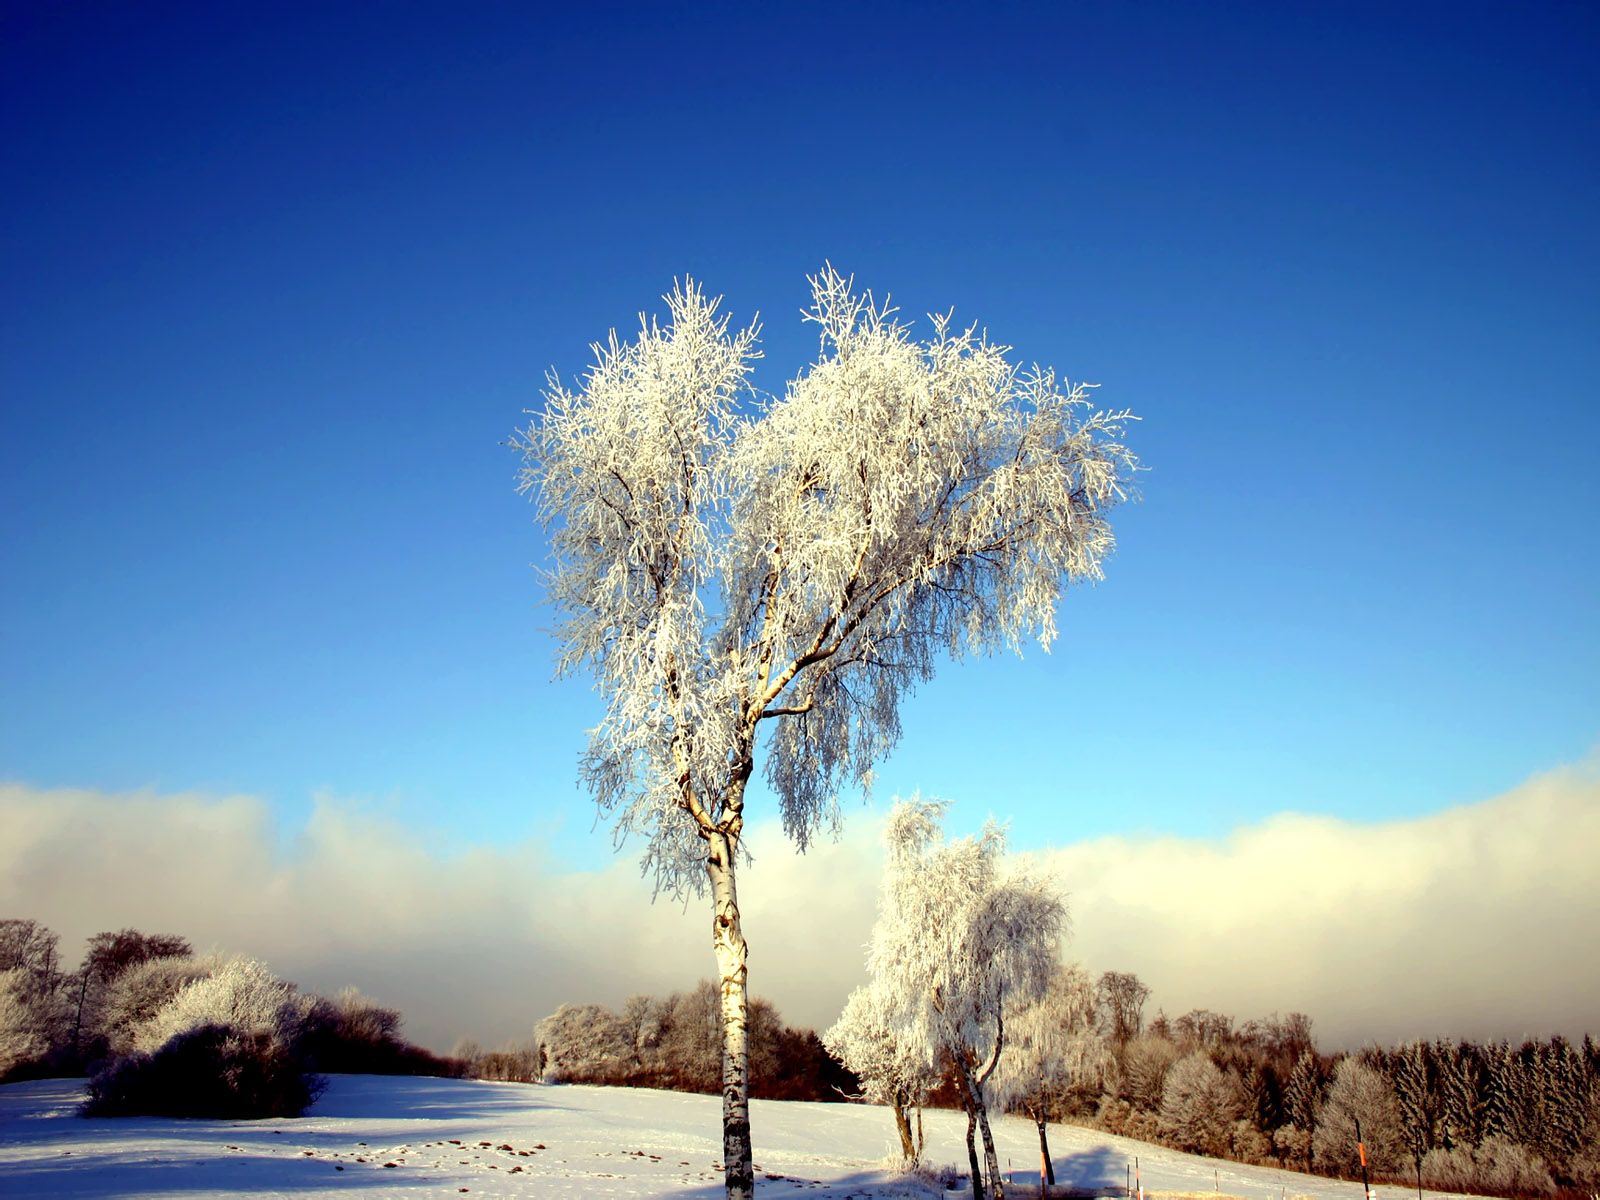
[159, 1030]
[675, 1042]
[1495, 1118]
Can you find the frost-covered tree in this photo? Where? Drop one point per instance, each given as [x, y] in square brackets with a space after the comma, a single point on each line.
[34, 1019]
[727, 565]
[1566, 1084]
[110, 954]
[1360, 1092]
[26, 945]
[584, 1042]
[1199, 1105]
[1053, 1050]
[1142, 1067]
[961, 943]
[31, 1019]
[892, 1070]
[692, 1052]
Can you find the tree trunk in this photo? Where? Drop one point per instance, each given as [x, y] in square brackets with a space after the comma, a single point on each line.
[972, 1153]
[972, 1101]
[902, 1125]
[728, 941]
[997, 1187]
[1048, 1173]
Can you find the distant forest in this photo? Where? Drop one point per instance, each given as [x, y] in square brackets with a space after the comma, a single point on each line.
[1494, 1118]
[1490, 1118]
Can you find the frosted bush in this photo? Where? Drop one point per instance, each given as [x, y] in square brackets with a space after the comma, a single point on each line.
[224, 1044]
[209, 1070]
[135, 996]
[1498, 1167]
[1507, 1168]
[240, 995]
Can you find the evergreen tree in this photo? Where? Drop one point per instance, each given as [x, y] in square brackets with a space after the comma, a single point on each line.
[1263, 1097]
[1567, 1102]
[1409, 1074]
[1501, 1093]
[1302, 1097]
[1461, 1087]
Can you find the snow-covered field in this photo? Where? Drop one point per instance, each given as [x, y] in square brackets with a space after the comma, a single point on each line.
[376, 1136]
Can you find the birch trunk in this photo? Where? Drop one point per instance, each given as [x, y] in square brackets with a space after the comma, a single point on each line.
[978, 1114]
[972, 1153]
[1047, 1169]
[991, 1161]
[902, 1125]
[728, 941]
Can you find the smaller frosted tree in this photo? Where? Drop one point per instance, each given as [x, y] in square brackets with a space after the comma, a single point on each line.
[960, 944]
[892, 1070]
[1054, 1048]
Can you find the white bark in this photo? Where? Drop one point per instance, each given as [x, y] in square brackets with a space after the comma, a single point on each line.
[728, 940]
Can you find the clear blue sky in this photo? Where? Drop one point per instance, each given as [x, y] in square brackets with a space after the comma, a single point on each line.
[279, 282]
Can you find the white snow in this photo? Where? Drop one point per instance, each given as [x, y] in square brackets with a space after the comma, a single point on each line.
[448, 1137]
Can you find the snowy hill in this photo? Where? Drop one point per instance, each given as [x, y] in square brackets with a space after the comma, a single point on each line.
[379, 1136]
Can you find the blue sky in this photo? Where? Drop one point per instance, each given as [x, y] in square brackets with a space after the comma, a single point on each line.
[279, 284]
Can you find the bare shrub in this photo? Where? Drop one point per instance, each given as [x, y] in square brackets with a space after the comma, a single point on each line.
[354, 1034]
[1291, 1144]
[1248, 1144]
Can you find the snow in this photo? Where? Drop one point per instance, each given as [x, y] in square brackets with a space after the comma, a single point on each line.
[448, 1137]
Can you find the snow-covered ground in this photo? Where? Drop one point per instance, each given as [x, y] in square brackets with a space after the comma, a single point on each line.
[375, 1136]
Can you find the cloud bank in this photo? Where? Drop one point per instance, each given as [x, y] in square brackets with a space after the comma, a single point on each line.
[1482, 920]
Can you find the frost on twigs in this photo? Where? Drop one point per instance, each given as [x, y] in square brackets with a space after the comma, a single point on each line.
[724, 560]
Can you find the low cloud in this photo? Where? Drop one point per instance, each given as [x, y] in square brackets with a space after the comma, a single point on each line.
[1479, 920]
[1482, 920]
